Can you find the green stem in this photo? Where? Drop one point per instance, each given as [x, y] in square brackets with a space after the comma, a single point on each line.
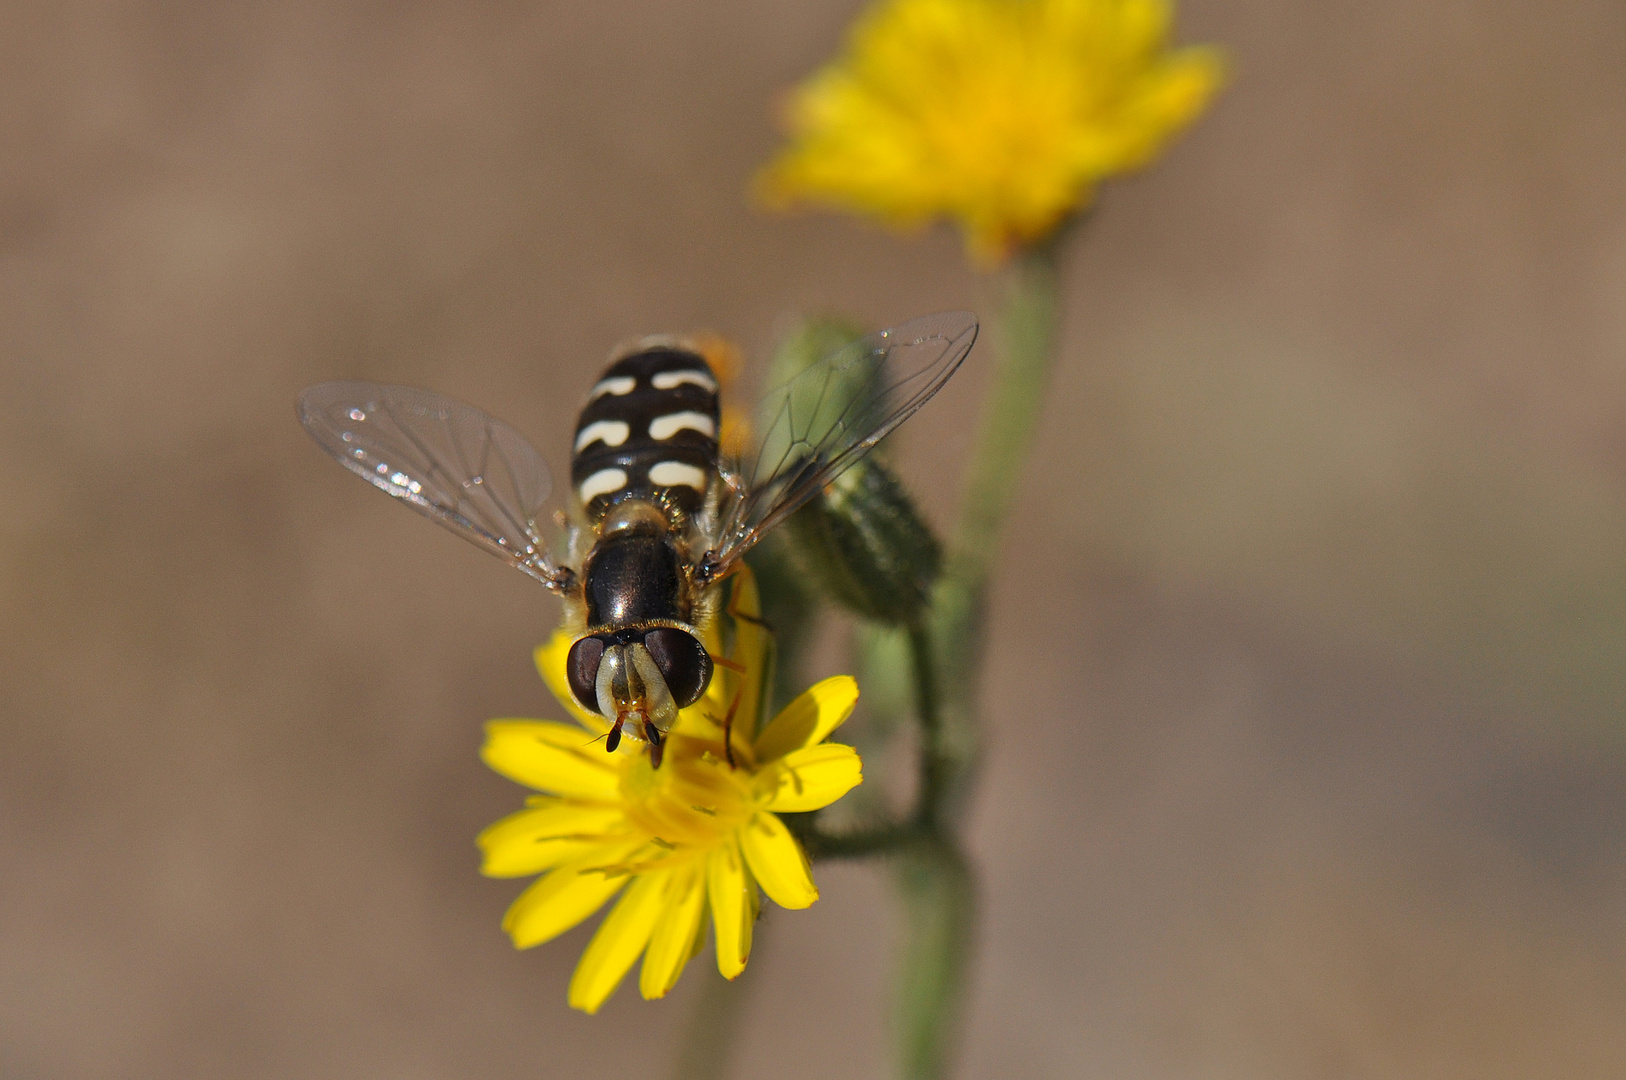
[1024, 336]
[933, 768]
[708, 1039]
[934, 877]
[1025, 339]
[939, 914]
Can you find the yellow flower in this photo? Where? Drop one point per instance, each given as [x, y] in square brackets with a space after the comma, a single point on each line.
[1000, 114]
[701, 832]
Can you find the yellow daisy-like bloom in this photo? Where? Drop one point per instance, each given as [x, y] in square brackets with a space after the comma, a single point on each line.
[1000, 114]
[700, 832]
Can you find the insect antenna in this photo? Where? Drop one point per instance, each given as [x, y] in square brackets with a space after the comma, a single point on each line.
[657, 745]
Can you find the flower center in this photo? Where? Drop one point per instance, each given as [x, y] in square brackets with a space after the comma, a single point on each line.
[695, 799]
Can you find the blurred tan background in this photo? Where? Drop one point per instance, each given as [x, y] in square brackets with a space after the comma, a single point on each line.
[1306, 699]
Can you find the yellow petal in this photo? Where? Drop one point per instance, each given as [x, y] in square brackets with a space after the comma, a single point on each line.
[810, 778]
[566, 896]
[541, 838]
[778, 862]
[734, 903]
[809, 719]
[620, 938]
[550, 662]
[677, 931]
[551, 757]
[1169, 97]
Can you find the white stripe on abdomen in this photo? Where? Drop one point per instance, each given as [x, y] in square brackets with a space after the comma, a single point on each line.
[666, 380]
[664, 427]
[602, 482]
[675, 474]
[613, 432]
[619, 385]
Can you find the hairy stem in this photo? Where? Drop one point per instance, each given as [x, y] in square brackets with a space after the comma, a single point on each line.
[1024, 338]
[934, 877]
[938, 894]
[932, 764]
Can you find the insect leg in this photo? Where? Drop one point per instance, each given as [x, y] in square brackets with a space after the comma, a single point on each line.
[728, 730]
[732, 612]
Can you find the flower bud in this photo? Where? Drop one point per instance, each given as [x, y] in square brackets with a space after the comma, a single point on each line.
[861, 539]
[866, 544]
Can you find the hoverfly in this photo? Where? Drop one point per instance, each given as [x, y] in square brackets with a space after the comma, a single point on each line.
[659, 516]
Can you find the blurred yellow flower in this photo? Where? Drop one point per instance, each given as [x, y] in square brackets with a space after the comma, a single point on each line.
[1000, 114]
[701, 832]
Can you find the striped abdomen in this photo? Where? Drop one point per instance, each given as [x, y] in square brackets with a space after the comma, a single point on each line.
[648, 431]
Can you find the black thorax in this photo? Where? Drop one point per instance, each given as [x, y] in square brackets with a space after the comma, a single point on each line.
[634, 579]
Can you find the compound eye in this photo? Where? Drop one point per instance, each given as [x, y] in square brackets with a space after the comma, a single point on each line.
[581, 668]
[684, 663]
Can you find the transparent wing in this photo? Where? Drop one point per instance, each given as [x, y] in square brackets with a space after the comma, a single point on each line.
[449, 461]
[829, 416]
